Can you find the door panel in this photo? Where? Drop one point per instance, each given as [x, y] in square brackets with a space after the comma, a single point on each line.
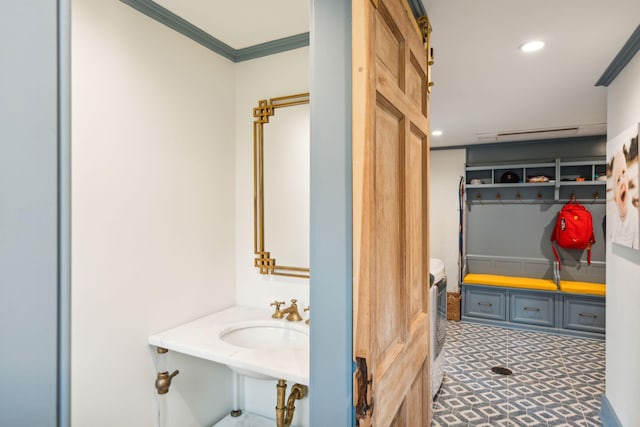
[417, 85]
[389, 46]
[388, 203]
[416, 229]
[390, 206]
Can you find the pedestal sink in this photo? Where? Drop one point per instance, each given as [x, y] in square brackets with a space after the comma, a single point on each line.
[247, 340]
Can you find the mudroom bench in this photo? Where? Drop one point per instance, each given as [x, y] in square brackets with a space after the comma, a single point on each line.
[567, 307]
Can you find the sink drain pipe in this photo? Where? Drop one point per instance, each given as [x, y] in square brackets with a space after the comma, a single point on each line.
[284, 414]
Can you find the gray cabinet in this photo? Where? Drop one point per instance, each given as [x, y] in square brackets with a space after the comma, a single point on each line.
[485, 303]
[544, 311]
[532, 309]
[583, 313]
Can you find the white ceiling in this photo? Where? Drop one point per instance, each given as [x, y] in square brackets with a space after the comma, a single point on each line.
[483, 83]
[244, 23]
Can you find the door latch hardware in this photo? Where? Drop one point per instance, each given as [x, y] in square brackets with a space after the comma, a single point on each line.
[364, 405]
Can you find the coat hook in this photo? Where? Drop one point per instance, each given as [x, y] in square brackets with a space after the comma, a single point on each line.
[518, 197]
[596, 195]
[478, 196]
[498, 196]
[572, 197]
[539, 196]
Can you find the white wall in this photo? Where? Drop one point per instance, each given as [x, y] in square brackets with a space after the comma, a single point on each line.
[283, 74]
[446, 168]
[623, 270]
[153, 208]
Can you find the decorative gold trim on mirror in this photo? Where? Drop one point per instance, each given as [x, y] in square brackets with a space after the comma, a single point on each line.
[263, 261]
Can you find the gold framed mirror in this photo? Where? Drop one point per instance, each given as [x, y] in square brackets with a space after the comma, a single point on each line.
[281, 144]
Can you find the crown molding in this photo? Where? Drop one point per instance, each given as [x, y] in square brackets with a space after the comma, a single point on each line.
[621, 60]
[175, 22]
[272, 47]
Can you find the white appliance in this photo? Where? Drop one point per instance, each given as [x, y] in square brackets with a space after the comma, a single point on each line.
[438, 320]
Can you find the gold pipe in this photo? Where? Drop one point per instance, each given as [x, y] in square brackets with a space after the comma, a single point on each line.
[284, 414]
[281, 389]
[298, 391]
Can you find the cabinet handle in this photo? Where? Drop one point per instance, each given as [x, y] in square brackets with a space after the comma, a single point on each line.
[531, 308]
[486, 304]
[593, 316]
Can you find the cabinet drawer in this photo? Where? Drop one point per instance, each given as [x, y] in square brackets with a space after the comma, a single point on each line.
[484, 303]
[532, 309]
[584, 314]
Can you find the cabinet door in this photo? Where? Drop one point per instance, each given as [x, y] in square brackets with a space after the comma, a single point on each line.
[484, 303]
[532, 309]
[584, 314]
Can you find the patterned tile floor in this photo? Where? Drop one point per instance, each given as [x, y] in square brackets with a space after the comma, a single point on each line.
[556, 380]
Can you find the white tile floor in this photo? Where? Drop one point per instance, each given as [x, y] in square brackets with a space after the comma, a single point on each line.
[556, 380]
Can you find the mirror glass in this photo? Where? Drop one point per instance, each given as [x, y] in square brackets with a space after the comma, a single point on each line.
[281, 185]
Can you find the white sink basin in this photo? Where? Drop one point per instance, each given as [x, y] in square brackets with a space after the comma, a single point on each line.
[267, 335]
[268, 339]
[247, 340]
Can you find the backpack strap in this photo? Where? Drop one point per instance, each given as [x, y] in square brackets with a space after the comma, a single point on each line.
[555, 252]
[554, 237]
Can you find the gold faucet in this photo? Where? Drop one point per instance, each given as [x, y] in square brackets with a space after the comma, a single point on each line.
[292, 312]
[277, 314]
[163, 381]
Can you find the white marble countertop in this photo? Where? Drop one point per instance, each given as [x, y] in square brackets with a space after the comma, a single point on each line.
[201, 338]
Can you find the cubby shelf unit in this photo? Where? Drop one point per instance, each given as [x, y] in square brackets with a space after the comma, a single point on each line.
[580, 180]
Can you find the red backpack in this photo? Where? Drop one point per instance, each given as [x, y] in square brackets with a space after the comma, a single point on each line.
[573, 230]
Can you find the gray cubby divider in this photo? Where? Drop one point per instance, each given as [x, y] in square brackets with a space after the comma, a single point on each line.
[509, 225]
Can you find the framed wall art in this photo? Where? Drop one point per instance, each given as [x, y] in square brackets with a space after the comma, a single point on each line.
[623, 207]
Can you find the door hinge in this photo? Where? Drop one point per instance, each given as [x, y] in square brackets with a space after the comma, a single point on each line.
[425, 28]
[364, 403]
[425, 31]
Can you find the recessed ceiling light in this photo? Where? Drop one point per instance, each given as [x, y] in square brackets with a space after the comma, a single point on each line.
[532, 46]
[436, 133]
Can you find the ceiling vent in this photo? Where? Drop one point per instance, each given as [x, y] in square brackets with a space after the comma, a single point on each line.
[549, 133]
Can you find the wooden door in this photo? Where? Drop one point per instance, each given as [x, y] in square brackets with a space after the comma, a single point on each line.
[390, 225]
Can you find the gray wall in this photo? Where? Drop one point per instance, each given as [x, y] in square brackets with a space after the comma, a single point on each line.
[543, 150]
[523, 230]
[331, 327]
[29, 220]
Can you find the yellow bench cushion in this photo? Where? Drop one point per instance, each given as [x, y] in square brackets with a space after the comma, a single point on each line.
[588, 288]
[510, 281]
